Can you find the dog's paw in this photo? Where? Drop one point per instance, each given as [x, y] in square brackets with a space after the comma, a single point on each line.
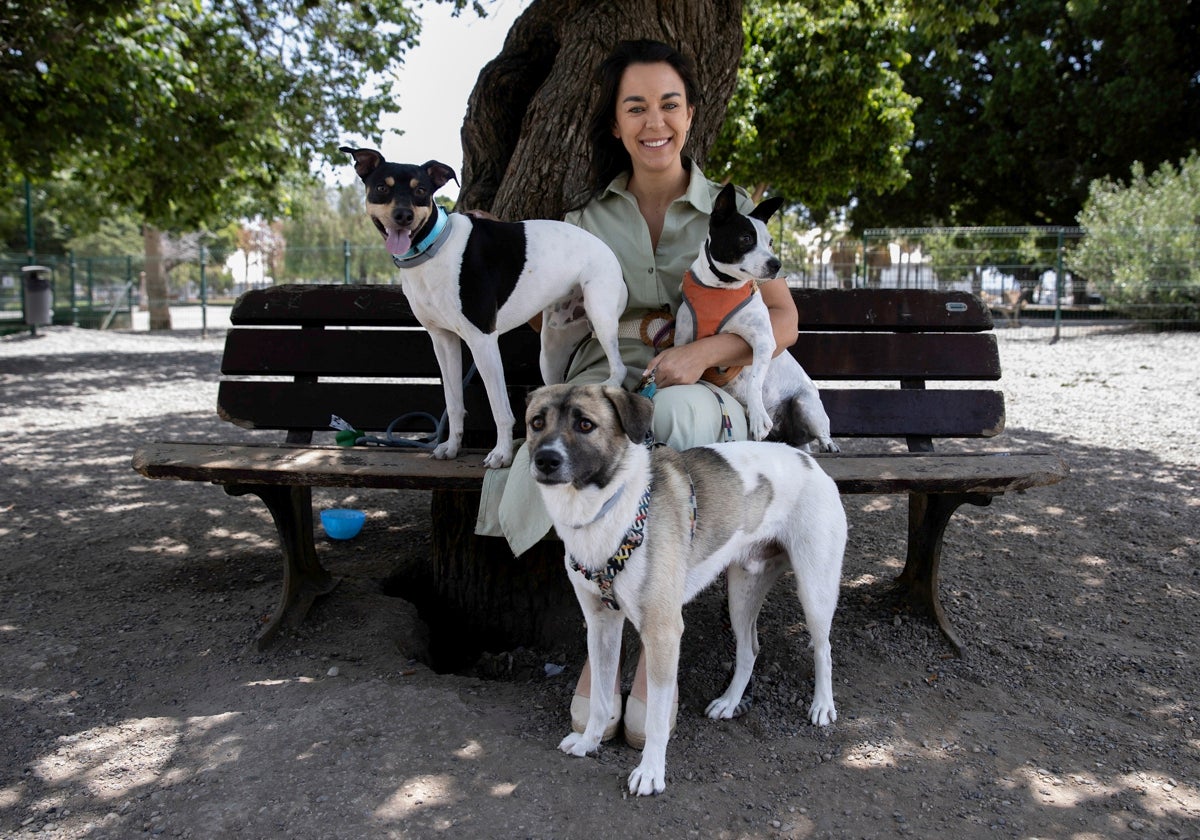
[827, 445]
[445, 451]
[576, 744]
[822, 712]
[760, 427]
[499, 457]
[725, 708]
[648, 778]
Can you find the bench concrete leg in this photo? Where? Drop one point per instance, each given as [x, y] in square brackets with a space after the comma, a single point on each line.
[928, 515]
[304, 578]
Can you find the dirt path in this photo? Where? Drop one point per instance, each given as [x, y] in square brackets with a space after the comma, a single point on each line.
[131, 701]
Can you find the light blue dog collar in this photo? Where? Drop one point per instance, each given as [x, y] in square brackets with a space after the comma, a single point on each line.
[428, 247]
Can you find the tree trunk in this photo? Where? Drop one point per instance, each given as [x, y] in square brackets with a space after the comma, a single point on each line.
[525, 145]
[156, 279]
[525, 155]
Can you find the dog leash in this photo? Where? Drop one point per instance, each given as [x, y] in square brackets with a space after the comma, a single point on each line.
[347, 435]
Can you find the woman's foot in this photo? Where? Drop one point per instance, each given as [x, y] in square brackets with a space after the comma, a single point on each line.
[581, 704]
[635, 707]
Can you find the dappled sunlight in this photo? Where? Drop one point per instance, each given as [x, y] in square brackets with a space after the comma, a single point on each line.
[112, 762]
[875, 504]
[419, 793]
[470, 750]
[279, 682]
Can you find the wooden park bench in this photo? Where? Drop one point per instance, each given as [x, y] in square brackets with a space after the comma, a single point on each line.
[296, 355]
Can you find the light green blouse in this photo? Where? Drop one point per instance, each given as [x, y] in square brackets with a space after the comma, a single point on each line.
[652, 275]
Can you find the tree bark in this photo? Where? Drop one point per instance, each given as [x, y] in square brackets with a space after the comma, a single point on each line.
[525, 146]
[156, 279]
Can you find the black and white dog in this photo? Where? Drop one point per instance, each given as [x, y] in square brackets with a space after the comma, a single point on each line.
[720, 295]
[645, 530]
[475, 279]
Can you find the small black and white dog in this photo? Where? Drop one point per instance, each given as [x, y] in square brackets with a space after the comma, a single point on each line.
[720, 295]
[475, 279]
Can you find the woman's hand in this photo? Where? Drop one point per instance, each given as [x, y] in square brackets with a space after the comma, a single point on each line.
[685, 365]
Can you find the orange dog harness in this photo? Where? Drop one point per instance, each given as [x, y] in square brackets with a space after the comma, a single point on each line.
[710, 309]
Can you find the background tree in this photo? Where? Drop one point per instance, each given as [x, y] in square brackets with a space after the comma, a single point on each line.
[321, 223]
[191, 114]
[1025, 110]
[1142, 251]
[819, 113]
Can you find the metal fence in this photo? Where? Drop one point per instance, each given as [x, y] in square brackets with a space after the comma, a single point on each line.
[1031, 277]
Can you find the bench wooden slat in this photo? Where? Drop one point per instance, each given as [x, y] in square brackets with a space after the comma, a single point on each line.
[351, 352]
[890, 309]
[880, 413]
[372, 406]
[384, 467]
[368, 406]
[304, 305]
[946, 357]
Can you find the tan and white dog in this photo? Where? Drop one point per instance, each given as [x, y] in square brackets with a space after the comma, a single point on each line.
[645, 530]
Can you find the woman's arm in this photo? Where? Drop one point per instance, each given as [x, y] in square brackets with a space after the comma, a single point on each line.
[685, 365]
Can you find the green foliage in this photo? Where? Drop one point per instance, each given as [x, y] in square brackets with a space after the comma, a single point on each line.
[1142, 249]
[328, 218]
[188, 113]
[819, 113]
[1021, 111]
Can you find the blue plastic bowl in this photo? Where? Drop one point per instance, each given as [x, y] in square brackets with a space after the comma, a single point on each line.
[342, 523]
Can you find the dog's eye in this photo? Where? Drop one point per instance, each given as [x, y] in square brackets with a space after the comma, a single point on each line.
[420, 192]
[746, 240]
[537, 423]
[585, 425]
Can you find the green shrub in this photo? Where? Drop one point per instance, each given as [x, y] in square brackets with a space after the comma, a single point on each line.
[1142, 249]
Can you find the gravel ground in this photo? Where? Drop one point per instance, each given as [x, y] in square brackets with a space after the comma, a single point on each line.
[132, 701]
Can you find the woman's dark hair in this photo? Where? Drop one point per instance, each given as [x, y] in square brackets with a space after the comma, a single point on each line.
[609, 156]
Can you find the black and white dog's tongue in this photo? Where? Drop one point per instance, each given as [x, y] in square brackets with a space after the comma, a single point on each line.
[399, 242]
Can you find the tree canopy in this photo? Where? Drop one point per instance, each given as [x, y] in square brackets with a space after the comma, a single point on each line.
[1020, 113]
[819, 112]
[189, 113]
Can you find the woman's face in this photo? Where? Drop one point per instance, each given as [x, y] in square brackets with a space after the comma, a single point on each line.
[653, 116]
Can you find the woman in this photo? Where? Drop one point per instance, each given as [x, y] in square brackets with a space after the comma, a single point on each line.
[650, 204]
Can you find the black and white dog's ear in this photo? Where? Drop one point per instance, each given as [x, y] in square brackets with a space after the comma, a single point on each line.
[439, 173]
[366, 161]
[724, 205]
[767, 209]
[633, 410]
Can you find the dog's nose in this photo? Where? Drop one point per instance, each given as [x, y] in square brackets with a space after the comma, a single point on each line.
[547, 460]
[773, 266]
[403, 216]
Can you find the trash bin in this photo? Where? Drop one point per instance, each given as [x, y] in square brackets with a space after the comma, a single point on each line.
[39, 295]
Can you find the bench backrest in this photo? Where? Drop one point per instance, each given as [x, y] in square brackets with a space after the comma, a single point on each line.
[906, 337]
[297, 354]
